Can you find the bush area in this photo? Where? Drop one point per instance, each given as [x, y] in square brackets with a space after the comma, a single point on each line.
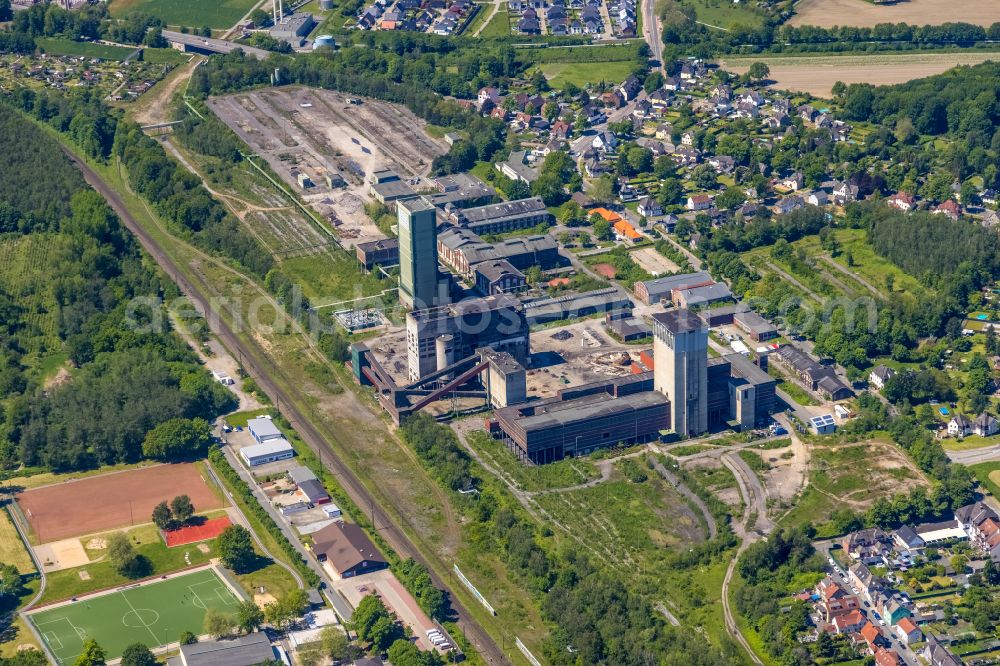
[592, 608]
[250, 503]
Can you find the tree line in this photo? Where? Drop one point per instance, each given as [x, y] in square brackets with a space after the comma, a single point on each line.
[127, 377]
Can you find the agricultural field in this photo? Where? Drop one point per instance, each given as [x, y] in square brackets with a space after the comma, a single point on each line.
[215, 14]
[581, 74]
[816, 74]
[852, 476]
[862, 13]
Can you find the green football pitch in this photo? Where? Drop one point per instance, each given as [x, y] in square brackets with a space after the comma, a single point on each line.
[154, 614]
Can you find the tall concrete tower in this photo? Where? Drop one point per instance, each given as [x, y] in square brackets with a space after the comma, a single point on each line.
[418, 261]
[680, 370]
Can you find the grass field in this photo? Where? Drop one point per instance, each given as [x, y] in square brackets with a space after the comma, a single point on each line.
[988, 475]
[827, 13]
[817, 74]
[12, 549]
[562, 474]
[213, 13]
[582, 73]
[68, 47]
[725, 14]
[499, 25]
[154, 614]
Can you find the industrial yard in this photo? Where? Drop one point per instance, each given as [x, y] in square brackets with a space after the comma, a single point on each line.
[313, 139]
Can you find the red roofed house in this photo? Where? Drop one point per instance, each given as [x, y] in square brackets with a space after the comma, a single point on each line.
[848, 623]
[834, 600]
[902, 201]
[624, 229]
[871, 634]
[908, 631]
[885, 657]
[949, 208]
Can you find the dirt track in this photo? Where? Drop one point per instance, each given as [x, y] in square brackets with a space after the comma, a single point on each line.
[259, 367]
[110, 501]
[828, 13]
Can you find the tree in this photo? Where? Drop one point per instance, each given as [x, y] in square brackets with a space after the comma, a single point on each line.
[759, 71]
[260, 18]
[602, 230]
[178, 439]
[640, 160]
[182, 508]
[6, 11]
[10, 581]
[137, 654]
[704, 176]
[731, 199]
[283, 611]
[162, 517]
[334, 643]
[369, 610]
[92, 655]
[384, 632]
[124, 558]
[187, 638]
[235, 547]
[218, 624]
[602, 190]
[249, 616]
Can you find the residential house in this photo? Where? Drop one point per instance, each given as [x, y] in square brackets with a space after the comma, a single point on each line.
[818, 198]
[788, 204]
[949, 209]
[848, 623]
[673, 83]
[844, 192]
[722, 163]
[985, 425]
[880, 375]
[982, 525]
[959, 426]
[869, 546]
[630, 88]
[650, 207]
[605, 141]
[699, 202]
[884, 657]
[907, 540]
[872, 636]
[864, 581]
[893, 611]
[793, 182]
[938, 655]
[908, 631]
[902, 200]
[488, 94]
[988, 197]
[834, 600]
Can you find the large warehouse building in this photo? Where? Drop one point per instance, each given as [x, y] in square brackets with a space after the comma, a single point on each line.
[581, 420]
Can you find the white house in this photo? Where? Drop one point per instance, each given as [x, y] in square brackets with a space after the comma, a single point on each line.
[649, 207]
[880, 376]
[985, 425]
[699, 202]
[959, 426]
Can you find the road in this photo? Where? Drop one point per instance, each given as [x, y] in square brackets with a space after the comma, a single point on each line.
[260, 368]
[651, 33]
[973, 456]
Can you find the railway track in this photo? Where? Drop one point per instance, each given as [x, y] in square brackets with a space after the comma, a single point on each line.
[254, 361]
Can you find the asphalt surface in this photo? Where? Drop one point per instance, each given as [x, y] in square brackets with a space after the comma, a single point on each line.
[259, 367]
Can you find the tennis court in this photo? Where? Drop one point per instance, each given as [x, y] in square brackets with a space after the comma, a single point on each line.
[154, 614]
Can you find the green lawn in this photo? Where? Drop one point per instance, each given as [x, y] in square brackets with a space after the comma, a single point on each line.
[968, 443]
[987, 479]
[582, 73]
[68, 47]
[725, 14]
[213, 13]
[154, 614]
[499, 25]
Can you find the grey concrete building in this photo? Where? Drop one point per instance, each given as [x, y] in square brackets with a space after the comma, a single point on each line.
[680, 349]
[418, 273]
